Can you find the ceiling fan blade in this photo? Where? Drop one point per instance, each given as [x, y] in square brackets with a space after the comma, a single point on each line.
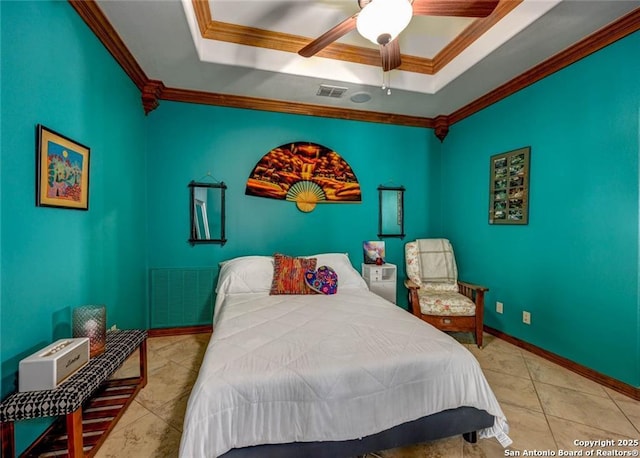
[390, 54]
[329, 37]
[460, 8]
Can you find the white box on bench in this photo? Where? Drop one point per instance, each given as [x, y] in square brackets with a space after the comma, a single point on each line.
[47, 368]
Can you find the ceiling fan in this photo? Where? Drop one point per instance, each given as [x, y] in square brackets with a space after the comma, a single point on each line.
[381, 21]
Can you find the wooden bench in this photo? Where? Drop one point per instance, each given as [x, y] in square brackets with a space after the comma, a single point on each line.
[89, 394]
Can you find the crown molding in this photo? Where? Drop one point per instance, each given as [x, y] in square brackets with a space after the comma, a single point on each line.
[615, 31]
[152, 90]
[254, 103]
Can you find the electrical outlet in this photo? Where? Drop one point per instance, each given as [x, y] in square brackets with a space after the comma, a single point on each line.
[526, 317]
[499, 307]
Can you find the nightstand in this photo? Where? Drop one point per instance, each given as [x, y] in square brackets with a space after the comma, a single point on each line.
[381, 280]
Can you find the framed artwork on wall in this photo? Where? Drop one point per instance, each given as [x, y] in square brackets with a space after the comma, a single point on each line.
[305, 173]
[374, 252]
[509, 187]
[62, 175]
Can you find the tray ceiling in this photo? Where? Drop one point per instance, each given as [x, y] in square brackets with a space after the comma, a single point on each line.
[248, 48]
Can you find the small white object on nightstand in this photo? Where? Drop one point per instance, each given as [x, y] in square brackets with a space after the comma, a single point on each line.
[381, 280]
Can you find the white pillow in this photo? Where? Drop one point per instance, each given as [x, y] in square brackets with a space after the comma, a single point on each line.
[348, 277]
[245, 274]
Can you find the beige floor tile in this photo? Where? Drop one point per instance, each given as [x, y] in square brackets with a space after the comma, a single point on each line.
[528, 429]
[628, 405]
[504, 361]
[156, 343]
[131, 366]
[545, 371]
[617, 396]
[173, 411]
[584, 408]
[147, 437]
[568, 432]
[513, 390]
[165, 384]
[187, 352]
[155, 361]
[632, 410]
[134, 412]
[493, 343]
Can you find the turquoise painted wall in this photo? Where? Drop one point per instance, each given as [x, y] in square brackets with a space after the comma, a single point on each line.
[56, 72]
[188, 141]
[575, 265]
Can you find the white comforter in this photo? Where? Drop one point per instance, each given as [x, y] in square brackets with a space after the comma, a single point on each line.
[282, 369]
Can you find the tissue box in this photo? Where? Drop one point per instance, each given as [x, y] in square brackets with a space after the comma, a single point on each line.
[47, 368]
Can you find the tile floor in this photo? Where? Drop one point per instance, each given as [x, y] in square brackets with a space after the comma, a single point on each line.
[548, 407]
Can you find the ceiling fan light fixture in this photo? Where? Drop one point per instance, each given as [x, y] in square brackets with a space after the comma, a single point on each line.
[381, 21]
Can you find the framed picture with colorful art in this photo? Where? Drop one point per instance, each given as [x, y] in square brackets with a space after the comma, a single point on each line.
[62, 176]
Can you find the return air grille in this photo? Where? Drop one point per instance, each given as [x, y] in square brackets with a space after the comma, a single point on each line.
[326, 90]
[182, 296]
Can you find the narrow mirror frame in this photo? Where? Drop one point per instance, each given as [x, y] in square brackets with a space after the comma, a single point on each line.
[193, 238]
[400, 211]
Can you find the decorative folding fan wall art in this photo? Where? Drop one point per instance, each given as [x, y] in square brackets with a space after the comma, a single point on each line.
[305, 173]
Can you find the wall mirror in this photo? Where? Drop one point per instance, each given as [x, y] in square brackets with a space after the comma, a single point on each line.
[391, 211]
[207, 213]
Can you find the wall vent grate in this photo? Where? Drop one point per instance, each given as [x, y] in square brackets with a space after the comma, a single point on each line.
[326, 90]
[182, 296]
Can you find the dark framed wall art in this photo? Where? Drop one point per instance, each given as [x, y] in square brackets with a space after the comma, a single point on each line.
[509, 187]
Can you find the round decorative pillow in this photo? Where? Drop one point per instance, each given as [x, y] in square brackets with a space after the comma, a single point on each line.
[323, 280]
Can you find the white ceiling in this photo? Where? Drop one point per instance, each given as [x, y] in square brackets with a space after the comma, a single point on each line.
[164, 38]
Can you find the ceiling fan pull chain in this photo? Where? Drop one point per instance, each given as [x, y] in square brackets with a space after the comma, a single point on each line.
[386, 85]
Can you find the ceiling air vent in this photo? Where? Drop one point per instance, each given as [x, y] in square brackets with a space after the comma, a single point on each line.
[326, 90]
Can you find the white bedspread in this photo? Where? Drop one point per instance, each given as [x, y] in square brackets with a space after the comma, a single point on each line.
[282, 369]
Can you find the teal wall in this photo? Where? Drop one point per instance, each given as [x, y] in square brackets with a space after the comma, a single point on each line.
[56, 72]
[188, 141]
[575, 265]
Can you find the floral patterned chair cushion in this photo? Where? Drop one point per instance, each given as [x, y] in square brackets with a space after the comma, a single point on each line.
[445, 303]
[412, 262]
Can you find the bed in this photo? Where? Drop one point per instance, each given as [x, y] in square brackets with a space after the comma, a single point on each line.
[321, 375]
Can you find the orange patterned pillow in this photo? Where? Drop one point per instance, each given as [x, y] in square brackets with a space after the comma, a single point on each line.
[288, 274]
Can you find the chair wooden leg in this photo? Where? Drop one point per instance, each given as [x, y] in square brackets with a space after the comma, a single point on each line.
[479, 329]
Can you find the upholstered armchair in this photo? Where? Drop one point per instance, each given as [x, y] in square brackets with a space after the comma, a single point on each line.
[435, 293]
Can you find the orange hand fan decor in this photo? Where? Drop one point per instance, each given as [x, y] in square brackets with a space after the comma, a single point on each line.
[305, 173]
